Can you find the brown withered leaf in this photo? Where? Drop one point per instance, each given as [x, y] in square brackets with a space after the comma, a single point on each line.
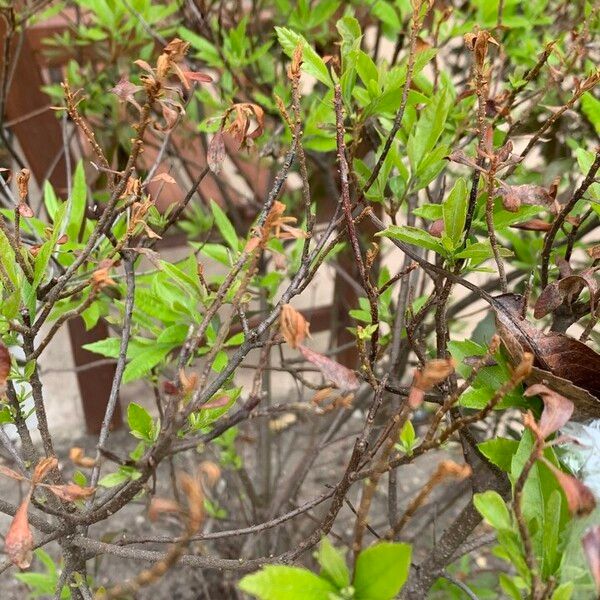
[557, 409]
[10, 473]
[44, 466]
[566, 291]
[216, 402]
[195, 499]
[125, 90]
[190, 77]
[580, 498]
[78, 457]
[436, 229]
[70, 491]
[513, 196]
[159, 506]
[25, 210]
[591, 549]
[340, 376]
[216, 152]
[23, 177]
[594, 252]
[433, 373]
[4, 364]
[533, 225]
[18, 542]
[209, 472]
[564, 364]
[293, 326]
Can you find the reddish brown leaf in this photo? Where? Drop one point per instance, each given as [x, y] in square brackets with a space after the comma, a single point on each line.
[25, 210]
[70, 491]
[194, 76]
[164, 178]
[217, 402]
[591, 549]
[44, 466]
[18, 543]
[293, 326]
[566, 291]
[4, 364]
[580, 498]
[209, 472]
[10, 473]
[23, 185]
[125, 90]
[433, 373]
[437, 228]
[557, 409]
[216, 152]
[342, 377]
[78, 457]
[563, 363]
[513, 196]
[159, 506]
[533, 225]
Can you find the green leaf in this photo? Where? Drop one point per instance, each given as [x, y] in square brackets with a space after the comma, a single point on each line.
[220, 361]
[144, 360]
[415, 236]
[140, 422]
[333, 564]
[114, 479]
[430, 125]
[225, 227]
[108, 347]
[551, 534]
[43, 257]
[312, 64]
[564, 591]
[454, 210]
[381, 571]
[50, 200]
[286, 583]
[590, 107]
[77, 203]
[499, 451]
[493, 509]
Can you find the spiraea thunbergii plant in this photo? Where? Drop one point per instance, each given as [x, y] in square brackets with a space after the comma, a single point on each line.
[440, 162]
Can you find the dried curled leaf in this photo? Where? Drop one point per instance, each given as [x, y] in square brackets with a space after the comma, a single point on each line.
[216, 153]
[433, 373]
[159, 506]
[563, 363]
[282, 422]
[195, 500]
[293, 326]
[4, 365]
[210, 472]
[580, 498]
[125, 91]
[566, 291]
[23, 183]
[340, 376]
[70, 491]
[513, 196]
[18, 543]
[10, 473]
[78, 457]
[44, 466]
[557, 409]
